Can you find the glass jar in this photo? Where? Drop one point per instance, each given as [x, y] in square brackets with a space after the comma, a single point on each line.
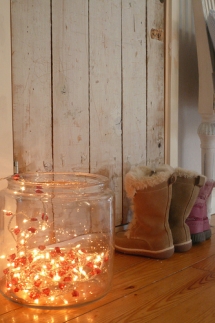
[56, 238]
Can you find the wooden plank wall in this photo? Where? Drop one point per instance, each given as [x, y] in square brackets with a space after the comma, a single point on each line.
[88, 87]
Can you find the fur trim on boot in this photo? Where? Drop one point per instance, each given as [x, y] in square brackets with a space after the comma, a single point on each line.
[142, 177]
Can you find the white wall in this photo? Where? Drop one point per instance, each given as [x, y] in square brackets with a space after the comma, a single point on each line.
[189, 119]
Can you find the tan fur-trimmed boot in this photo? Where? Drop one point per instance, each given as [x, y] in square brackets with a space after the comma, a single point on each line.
[148, 233]
[185, 191]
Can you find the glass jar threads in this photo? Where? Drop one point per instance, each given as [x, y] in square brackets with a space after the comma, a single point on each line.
[56, 238]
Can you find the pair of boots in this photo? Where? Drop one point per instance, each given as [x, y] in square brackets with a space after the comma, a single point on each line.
[161, 201]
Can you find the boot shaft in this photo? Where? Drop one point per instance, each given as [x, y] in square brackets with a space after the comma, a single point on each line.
[197, 220]
[151, 208]
[184, 194]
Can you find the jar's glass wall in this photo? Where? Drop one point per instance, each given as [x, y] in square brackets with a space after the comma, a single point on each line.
[56, 239]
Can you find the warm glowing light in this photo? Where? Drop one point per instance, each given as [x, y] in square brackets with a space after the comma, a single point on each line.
[35, 252]
[25, 272]
[42, 273]
[52, 255]
[56, 278]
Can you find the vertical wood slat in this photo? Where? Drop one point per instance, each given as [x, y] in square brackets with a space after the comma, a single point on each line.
[6, 140]
[155, 84]
[70, 85]
[134, 86]
[31, 75]
[171, 79]
[105, 94]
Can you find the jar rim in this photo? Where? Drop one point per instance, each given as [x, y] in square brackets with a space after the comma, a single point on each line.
[59, 179]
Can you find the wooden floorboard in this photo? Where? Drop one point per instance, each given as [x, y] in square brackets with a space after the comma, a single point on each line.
[178, 289]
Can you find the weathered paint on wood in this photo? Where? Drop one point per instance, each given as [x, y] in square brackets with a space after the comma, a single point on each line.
[70, 85]
[155, 85]
[6, 134]
[133, 87]
[105, 94]
[171, 83]
[88, 87]
[31, 77]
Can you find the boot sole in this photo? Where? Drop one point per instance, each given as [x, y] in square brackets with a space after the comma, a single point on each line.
[183, 247]
[159, 254]
[201, 236]
[207, 234]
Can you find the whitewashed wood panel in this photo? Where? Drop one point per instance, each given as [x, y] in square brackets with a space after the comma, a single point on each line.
[6, 136]
[88, 87]
[70, 85]
[31, 75]
[155, 84]
[105, 94]
[171, 82]
[133, 86]
[134, 81]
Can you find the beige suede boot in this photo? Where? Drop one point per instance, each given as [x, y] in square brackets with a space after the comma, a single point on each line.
[148, 233]
[184, 194]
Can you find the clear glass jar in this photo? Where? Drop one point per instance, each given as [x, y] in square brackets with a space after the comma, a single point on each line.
[56, 239]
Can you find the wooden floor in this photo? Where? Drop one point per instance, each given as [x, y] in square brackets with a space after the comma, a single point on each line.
[179, 289]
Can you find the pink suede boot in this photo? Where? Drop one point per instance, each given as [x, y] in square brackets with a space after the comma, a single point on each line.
[198, 220]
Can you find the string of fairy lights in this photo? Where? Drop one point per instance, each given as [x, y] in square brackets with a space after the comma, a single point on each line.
[49, 274]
